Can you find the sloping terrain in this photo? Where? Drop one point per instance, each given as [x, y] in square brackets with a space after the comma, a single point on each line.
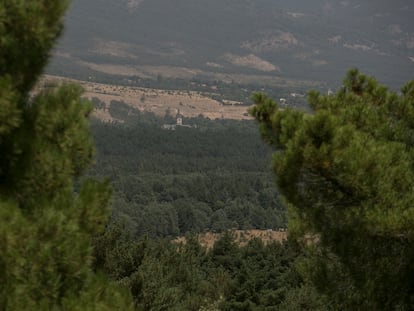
[160, 102]
[295, 39]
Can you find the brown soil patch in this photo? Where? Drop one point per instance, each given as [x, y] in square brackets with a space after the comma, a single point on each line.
[242, 237]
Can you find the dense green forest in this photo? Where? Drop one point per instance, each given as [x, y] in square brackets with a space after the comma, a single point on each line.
[166, 276]
[346, 173]
[214, 177]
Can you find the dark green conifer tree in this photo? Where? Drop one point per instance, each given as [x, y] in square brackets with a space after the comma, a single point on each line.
[347, 172]
[45, 228]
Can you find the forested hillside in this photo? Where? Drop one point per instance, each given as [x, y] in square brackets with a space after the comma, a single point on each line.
[211, 177]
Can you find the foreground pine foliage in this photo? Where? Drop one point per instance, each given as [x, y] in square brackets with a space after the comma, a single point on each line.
[347, 172]
[45, 228]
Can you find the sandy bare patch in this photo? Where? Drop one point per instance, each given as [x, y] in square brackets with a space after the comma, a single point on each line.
[360, 47]
[213, 65]
[295, 14]
[250, 61]
[134, 4]
[335, 39]
[272, 42]
[410, 42]
[242, 237]
[319, 62]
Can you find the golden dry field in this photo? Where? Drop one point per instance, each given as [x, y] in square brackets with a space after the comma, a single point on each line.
[189, 103]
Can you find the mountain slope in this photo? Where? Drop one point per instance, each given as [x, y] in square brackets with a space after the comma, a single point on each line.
[292, 39]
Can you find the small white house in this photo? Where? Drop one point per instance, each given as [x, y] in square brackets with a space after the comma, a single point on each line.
[179, 118]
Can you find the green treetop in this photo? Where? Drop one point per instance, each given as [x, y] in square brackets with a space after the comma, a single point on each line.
[45, 228]
[347, 173]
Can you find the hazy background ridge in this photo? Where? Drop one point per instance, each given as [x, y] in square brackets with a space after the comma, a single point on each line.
[291, 39]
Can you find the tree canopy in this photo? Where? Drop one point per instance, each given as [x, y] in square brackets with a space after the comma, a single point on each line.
[45, 227]
[166, 183]
[347, 171]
